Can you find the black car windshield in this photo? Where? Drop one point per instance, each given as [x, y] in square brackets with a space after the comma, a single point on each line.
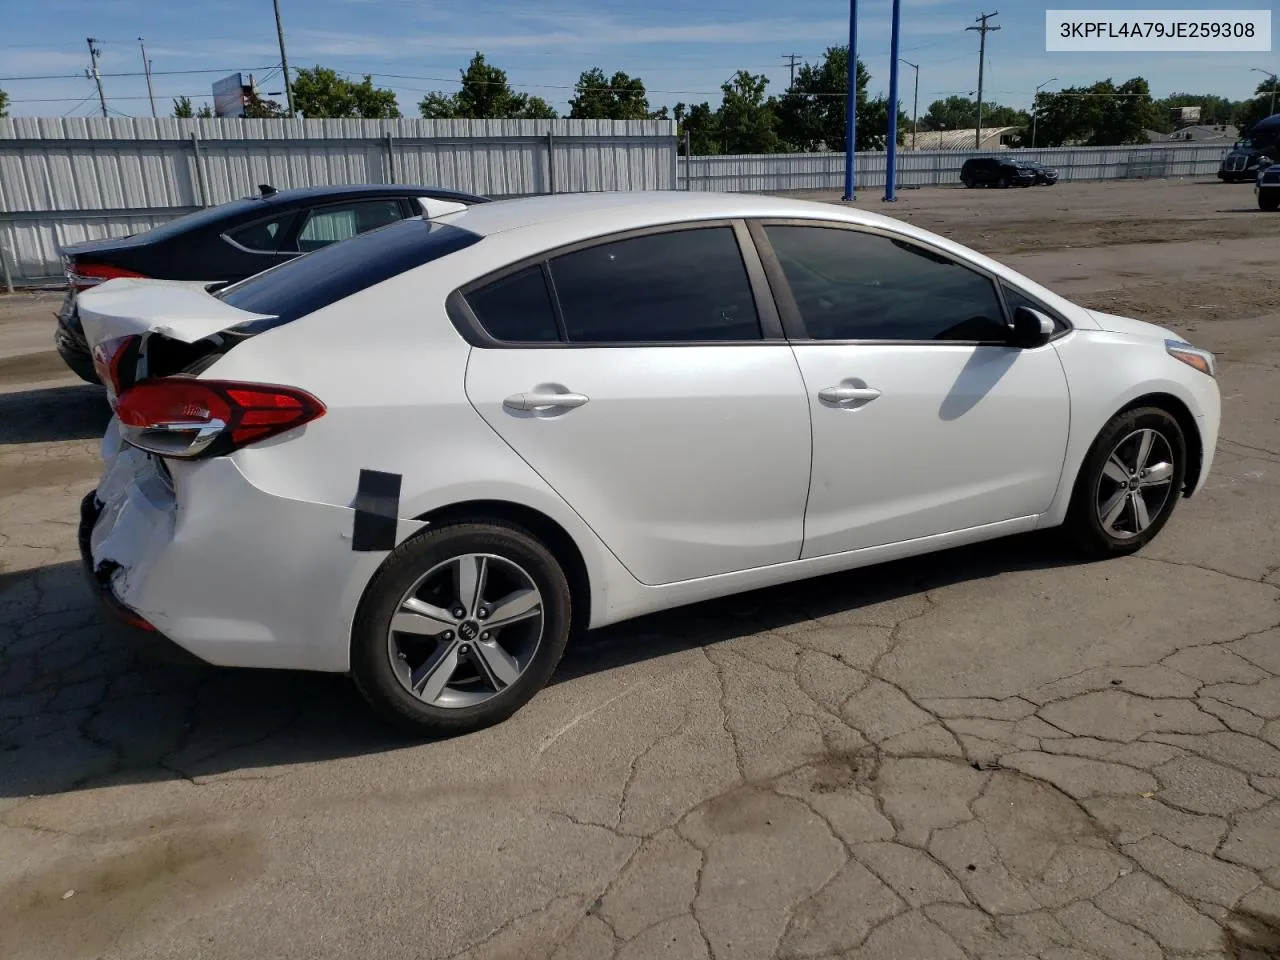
[303, 285]
[201, 218]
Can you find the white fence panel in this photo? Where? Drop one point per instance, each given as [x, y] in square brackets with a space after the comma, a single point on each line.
[68, 179]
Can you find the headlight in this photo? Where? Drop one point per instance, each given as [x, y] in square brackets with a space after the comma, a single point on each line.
[1201, 360]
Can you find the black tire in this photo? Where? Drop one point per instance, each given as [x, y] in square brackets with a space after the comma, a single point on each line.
[1269, 201]
[1005, 182]
[1083, 527]
[371, 662]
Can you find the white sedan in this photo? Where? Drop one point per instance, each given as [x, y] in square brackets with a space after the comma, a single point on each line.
[427, 454]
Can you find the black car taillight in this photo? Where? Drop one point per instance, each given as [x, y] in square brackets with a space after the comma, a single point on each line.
[81, 276]
[186, 418]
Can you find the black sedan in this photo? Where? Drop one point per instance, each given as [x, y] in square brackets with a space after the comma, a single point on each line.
[232, 241]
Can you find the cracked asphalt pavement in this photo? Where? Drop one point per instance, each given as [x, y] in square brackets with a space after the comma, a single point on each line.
[996, 752]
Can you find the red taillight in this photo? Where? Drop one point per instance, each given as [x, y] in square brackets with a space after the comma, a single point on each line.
[84, 275]
[182, 417]
[109, 359]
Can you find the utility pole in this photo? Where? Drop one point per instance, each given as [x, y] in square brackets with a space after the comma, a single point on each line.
[792, 59]
[146, 65]
[915, 103]
[983, 30]
[94, 53]
[284, 61]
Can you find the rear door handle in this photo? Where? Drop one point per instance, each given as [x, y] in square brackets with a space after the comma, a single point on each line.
[544, 401]
[848, 394]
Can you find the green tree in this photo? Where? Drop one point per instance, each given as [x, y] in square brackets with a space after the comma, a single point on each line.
[599, 97]
[205, 112]
[1213, 109]
[1101, 115]
[1259, 108]
[255, 108]
[811, 115]
[4, 104]
[535, 108]
[703, 126]
[747, 120]
[182, 108]
[485, 94]
[961, 113]
[321, 92]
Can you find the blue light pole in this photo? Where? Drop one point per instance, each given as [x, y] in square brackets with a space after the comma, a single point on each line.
[851, 108]
[891, 156]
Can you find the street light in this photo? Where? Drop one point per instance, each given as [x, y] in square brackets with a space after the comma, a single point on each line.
[915, 102]
[1035, 110]
[1273, 87]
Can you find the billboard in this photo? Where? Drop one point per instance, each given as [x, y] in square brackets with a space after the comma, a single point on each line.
[228, 96]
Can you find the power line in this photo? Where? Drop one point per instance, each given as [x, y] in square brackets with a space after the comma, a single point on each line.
[136, 73]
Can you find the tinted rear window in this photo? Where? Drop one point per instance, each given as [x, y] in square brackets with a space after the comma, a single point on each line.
[312, 281]
[203, 218]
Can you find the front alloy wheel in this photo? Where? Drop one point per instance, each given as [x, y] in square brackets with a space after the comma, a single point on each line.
[1129, 483]
[1135, 483]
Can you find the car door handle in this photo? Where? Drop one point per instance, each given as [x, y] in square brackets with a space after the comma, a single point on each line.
[848, 394]
[544, 401]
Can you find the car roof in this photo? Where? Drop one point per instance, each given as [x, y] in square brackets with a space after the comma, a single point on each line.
[616, 212]
[330, 191]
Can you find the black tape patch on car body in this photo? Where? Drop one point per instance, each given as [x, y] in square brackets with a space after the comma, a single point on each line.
[377, 509]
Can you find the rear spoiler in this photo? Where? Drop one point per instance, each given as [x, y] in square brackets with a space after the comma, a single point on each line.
[181, 311]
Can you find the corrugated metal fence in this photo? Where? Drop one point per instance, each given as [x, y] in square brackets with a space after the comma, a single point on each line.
[64, 180]
[779, 172]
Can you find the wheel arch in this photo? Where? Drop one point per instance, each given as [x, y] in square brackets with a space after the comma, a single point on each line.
[543, 527]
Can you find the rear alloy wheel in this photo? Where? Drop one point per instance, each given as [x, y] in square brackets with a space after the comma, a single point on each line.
[1269, 200]
[967, 181]
[1129, 484]
[460, 628]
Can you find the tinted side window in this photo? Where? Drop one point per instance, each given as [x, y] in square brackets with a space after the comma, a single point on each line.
[263, 236]
[684, 285]
[326, 225]
[850, 285]
[516, 308]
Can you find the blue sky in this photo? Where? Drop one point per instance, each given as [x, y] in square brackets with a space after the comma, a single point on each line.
[682, 50]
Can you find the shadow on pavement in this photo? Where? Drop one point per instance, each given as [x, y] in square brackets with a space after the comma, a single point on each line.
[80, 703]
[77, 411]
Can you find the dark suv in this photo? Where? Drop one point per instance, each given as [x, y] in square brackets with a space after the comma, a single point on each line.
[994, 171]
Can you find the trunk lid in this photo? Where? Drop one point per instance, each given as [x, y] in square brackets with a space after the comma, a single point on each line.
[177, 310]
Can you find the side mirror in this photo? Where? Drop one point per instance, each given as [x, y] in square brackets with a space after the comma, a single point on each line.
[1031, 329]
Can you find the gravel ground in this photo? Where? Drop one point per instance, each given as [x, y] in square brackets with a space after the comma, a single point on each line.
[995, 752]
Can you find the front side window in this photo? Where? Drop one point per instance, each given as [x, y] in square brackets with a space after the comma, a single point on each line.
[676, 286]
[850, 285]
[342, 221]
